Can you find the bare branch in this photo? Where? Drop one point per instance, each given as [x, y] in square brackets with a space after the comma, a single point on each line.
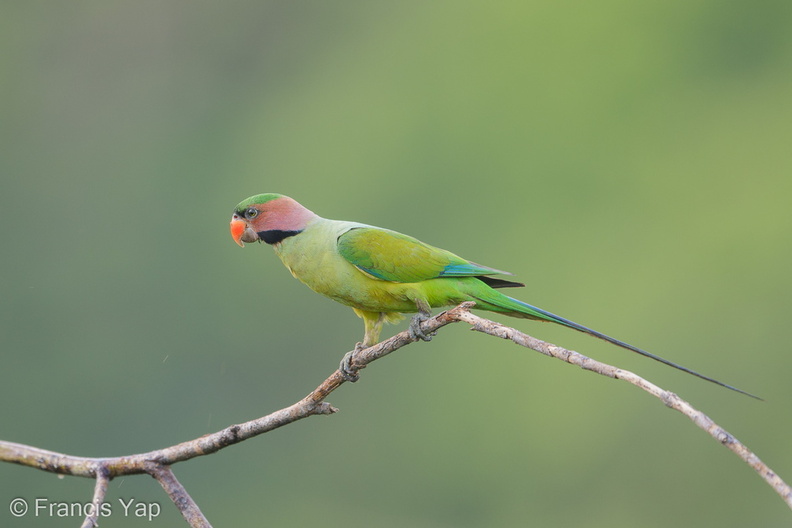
[189, 510]
[100, 491]
[669, 398]
[157, 463]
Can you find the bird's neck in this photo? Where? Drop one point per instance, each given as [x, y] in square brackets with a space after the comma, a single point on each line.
[285, 218]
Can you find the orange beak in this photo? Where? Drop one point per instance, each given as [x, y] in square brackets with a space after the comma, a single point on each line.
[237, 230]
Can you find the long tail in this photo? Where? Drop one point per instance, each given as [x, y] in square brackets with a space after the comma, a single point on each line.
[509, 305]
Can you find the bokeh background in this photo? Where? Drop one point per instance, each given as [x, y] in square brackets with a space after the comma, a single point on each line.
[629, 161]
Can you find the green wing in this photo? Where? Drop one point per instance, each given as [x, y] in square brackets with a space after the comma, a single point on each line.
[394, 257]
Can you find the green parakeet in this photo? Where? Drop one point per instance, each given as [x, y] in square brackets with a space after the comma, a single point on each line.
[382, 274]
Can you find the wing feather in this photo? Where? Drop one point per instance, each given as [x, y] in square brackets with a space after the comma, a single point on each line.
[392, 256]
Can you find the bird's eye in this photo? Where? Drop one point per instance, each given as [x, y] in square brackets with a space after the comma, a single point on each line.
[251, 213]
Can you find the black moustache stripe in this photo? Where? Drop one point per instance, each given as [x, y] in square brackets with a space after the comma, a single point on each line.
[274, 236]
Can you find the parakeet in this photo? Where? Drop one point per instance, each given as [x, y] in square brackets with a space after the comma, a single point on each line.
[383, 274]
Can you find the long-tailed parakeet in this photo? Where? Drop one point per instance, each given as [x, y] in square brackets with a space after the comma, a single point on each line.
[383, 274]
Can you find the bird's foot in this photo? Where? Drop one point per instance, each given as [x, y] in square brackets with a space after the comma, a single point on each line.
[415, 327]
[350, 374]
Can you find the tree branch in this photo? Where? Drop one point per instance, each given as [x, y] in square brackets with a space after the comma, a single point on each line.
[187, 506]
[100, 490]
[157, 463]
[673, 401]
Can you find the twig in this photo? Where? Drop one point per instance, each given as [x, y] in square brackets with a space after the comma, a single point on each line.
[100, 491]
[669, 398]
[157, 463]
[187, 506]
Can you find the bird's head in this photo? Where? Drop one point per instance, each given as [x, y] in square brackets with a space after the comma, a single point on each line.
[268, 217]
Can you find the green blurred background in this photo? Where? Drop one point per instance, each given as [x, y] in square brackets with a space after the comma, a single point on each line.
[630, 161]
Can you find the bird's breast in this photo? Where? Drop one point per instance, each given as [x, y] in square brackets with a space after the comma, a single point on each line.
[312, 257]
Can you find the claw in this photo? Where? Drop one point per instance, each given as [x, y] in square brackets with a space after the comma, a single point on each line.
[350, 374]
[415, 327]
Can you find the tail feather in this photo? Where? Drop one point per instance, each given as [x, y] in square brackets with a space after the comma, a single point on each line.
[511, 305]
[493, 282]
